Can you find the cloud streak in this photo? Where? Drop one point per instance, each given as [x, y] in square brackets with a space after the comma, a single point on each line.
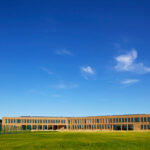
[64, 52]
[65, 86]
[130, 81]
[87, 71]
[126, 62]
[46, 70]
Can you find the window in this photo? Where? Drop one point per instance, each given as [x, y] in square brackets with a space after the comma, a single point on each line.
[130, 126]
[28, 127]
[18, 121]
[44, 127]
[136, 119]
[122, 119]
[110, 120]
[124, 127]
[34, 127]
[141, 127]
[97, 126]
[40, 127]
[5, 120]
[113, 120]
[119, 119]
[144, 119]
[116, 120]
[125, 119]
[28, 121]
[128, 119]
[148, 119]
[24, 121]
[145, 127]
[141, 119]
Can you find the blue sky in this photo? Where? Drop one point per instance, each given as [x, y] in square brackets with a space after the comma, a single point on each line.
[74, 58]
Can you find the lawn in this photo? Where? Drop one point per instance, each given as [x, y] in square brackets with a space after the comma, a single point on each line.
[76, 141]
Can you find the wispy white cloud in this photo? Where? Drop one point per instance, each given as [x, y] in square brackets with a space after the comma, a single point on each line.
[46, 70]
[130, 81]
[126, 62]
[64, 52]
[87, 71]
[66, 86]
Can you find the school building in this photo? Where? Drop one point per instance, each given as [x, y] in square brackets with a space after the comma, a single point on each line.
[118, 122]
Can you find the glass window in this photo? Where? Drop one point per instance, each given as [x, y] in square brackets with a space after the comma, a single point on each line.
[130, 126]
[136, 119]
[5, 120]
[40, 127]
[144, 119]
[102, 126]
[18, 121]
[113, 120]
[145, 127]
[119, 119]
[110, 120]
[141, 119]
[141, 127]
[148, 119]
[116, 120]
[128, 119]
[122, 119]
[125, 119]
[131, 119]
[34, 127]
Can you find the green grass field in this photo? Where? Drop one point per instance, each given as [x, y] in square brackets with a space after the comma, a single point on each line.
[76, 141]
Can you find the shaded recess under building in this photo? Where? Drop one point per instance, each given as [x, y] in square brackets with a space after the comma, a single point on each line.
[120, 122]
